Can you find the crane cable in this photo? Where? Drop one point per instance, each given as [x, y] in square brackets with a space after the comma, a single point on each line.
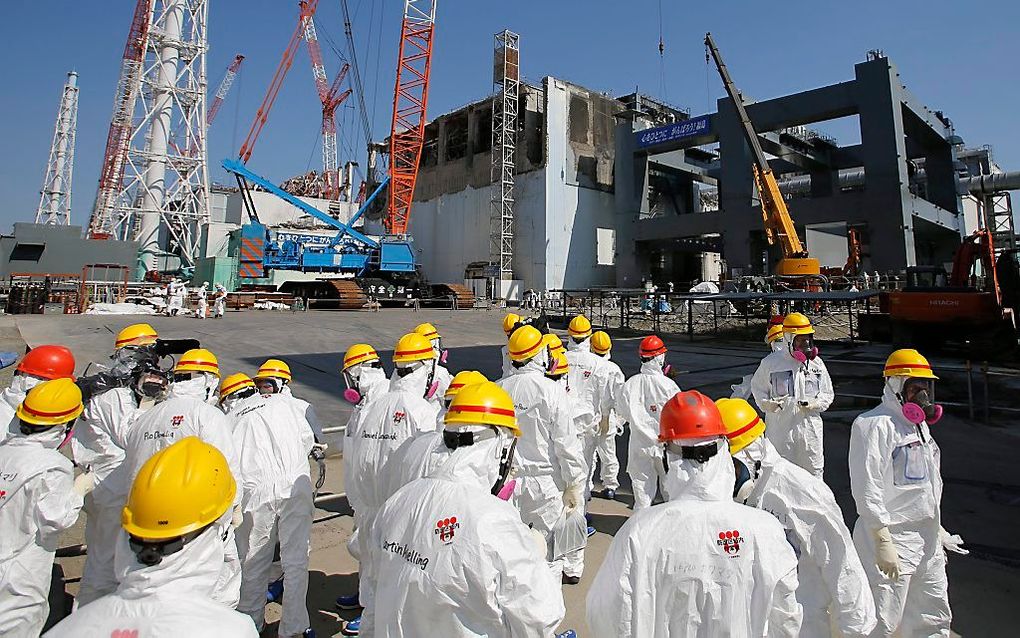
[662, 59]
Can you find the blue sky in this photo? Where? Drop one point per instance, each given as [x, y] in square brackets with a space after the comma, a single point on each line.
[955, 56]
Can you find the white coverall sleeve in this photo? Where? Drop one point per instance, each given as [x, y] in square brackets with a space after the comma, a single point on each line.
[530, 599]
[818, 522]
[566, 442]
[761, 385]
[219, 433]
[826, 395]
[610, 602]
[786, 614]
[313, 422]
[56, 506]
[351, 480]
[869, 451]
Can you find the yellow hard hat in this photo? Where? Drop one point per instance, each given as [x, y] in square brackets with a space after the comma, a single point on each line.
[235, 383]
[509, 321]
[797, 324]
[51, 403]
[428, 331]
[774, 332]
[198, 360]
[743, 425]
[137, 334]
[463, 378]
[413, 347]
[359, 353]
[579, 327]
[483, 404]
[525, 343]
[908, 363]
[562, 365]
[554, 343]
[179, 490]
[601, 343]
[274, 368]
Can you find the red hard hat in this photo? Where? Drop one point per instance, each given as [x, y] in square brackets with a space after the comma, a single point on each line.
[776, 320]
[48, 362]
[651, 346]
[690, 415]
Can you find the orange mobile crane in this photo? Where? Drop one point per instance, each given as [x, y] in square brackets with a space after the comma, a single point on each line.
[779, 226]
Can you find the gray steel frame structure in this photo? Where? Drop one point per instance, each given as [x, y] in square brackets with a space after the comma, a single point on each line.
[506, 78]
[903, 224]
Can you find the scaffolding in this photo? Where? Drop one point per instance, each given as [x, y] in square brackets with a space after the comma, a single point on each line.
[506, 81]
[55, 196]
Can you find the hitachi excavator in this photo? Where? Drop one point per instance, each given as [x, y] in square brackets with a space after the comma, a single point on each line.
[779, 227]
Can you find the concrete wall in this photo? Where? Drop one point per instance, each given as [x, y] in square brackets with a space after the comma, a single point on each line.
[41, 249]
[273, 211]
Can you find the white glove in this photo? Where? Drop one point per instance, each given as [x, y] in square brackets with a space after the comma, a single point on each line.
[886, 558]
[952, 542]
[236, 518]
[774, 405]
[808, 406]
[573, 497]
[539, 543]
[604, 426]
[85, 483]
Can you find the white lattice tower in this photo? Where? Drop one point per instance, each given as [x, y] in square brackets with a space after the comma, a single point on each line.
[158, 192]
[506, 80]
[55, 196]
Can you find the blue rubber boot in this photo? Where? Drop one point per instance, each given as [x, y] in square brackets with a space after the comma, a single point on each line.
[591, 531]
[570, 633]
[351, 627]
[308, 633]
[347, 603]
[275, 591]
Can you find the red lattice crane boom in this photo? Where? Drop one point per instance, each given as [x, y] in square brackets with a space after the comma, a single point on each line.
[410, 99]
[118, 139]
[223, 89]
[307, 10]
[331, 100]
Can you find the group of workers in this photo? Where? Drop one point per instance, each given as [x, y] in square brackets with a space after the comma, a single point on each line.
[176, 291]
[470, 496]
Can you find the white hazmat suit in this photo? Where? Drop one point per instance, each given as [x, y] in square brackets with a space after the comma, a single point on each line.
[742, 390]
[37, 503]
[609, 428]
[172, 599]
[98, 437]
[589, 380]
[371, 382]
[385, 423]
[187, 413]
[273, 447]
[640, 404]
[699, 565]
[455, 561]
[11, 398]
[829, 570]
[896, 480]
[219, 301]
[203, 301]
[793, 395]
[549, 460]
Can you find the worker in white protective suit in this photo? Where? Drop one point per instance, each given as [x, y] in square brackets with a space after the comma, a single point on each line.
[219, 301]
[549, 461]
[176, 291]
[511, 322]
[589, 376]
[42, 363]
[273, 446]
[774, 340]
[188, 410]
[611, 424]
[39, 499]
[274, 377]
[572, 560]
[830, 573]
[385, 424]
[169, 556]
[203, 300]
[640, 404]
[792, 387]
[452, 559]
[700, 564]
[98, 442]
[896, 481]
[441, 376]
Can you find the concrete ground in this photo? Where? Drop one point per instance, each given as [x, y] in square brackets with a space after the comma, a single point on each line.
[982, 490]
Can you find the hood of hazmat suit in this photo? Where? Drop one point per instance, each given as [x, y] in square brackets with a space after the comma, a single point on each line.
[166, 600]
[458, 561]
[699, 565]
